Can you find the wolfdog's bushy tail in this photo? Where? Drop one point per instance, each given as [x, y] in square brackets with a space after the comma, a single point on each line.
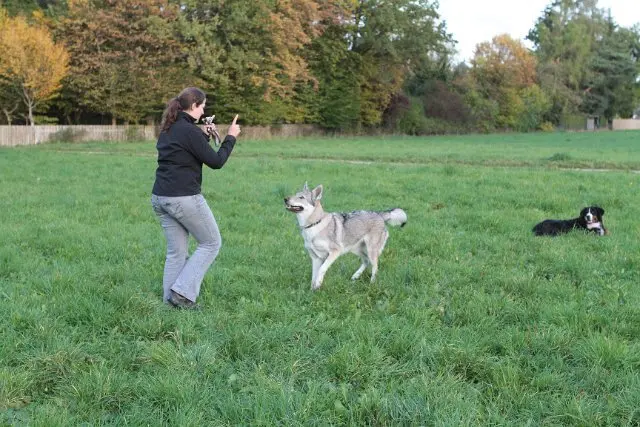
[395, 217]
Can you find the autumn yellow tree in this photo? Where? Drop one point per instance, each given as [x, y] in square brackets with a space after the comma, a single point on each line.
[9, 102]
[504, 61]
[31, 65]
[504, 75]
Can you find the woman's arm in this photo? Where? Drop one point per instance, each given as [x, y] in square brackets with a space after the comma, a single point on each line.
[201, 149]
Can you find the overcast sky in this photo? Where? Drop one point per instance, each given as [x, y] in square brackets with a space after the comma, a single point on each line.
[472, 22]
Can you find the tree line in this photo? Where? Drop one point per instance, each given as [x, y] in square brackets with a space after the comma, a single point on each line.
[344, 65]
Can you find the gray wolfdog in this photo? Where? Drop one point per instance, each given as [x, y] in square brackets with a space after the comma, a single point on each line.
[329, 235]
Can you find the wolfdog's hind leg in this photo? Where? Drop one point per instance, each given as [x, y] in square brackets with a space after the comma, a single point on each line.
[374, 269]
[365, 263]
[374, 250]
[373, 261]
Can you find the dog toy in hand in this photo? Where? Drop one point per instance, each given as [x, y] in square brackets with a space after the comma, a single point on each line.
[211, 129]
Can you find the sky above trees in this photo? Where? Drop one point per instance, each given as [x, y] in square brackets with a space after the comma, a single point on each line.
[476, 22]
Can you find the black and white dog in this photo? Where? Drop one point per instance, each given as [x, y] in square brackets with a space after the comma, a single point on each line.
[590, 219]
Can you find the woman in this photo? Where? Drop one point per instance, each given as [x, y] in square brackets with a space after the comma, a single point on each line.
[177, 200]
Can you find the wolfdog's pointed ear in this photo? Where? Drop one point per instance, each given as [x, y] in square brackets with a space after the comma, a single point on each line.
[317, 193]
[306, 187]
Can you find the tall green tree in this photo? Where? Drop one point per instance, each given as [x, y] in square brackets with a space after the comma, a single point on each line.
[565, 38]
[335, 102]
[251, 53]
[26, 8]
[365, 56]
[395, 39]
[612, 74]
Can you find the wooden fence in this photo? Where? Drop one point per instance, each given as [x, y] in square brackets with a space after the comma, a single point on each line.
[30, 135]
[626, 124]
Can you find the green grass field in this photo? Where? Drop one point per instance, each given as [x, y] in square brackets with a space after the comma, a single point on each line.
[472, 320]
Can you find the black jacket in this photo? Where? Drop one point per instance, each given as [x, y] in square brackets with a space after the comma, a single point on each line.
[182, 150]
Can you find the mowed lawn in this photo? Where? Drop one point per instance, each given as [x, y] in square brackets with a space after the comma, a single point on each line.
[472, 320]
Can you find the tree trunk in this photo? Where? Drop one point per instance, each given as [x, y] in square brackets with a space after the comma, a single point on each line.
[7, 115]
[29, 103]
[31, 121]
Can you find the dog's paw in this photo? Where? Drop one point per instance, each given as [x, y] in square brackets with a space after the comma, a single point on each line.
[315, 286]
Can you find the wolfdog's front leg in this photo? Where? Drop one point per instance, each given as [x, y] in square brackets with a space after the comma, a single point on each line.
[323, 269]
[315, 267]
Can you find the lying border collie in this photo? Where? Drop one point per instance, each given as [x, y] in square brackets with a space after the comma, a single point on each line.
[590, 219]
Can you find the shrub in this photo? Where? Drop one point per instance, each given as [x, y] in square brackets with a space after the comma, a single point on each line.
[547, 127]
[67, 135]
[45, 120]
[560, 157]
[535, 104]
[133, 133]
[441, 102]
[411, 121]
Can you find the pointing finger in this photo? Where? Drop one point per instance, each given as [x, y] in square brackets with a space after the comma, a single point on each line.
[235, 119]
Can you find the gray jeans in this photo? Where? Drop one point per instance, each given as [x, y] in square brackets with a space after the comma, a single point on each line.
[179, 217]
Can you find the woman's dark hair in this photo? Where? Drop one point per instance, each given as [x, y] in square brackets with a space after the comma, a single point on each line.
[182, 102]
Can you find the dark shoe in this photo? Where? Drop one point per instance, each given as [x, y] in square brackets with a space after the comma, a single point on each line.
[178, 301]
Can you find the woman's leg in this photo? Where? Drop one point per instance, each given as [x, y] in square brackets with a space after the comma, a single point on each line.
[198, 219]
[177, 243]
